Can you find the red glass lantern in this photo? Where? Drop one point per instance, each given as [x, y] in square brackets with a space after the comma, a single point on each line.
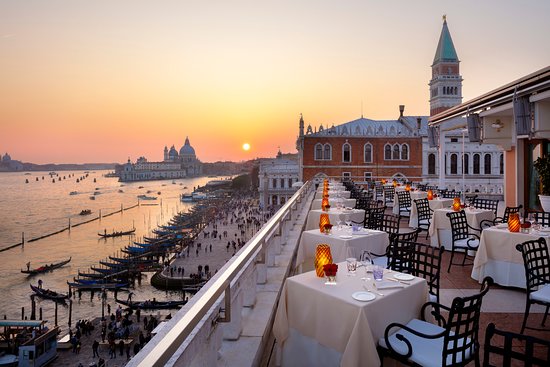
[322, 257]
[323, 219]
[408, 187]
[513, 222]
[430, 195]
[324, 203]
[394, 183]
[456, 204]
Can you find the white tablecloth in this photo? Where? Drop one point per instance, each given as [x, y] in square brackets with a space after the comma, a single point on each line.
[497, 256]
[440, 228]
[356, 215]
[348, 203]
[340, 248]
[333, 194]
[322, 325]
[414, 195]
[434, 204]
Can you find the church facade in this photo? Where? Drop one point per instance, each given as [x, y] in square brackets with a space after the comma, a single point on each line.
[175, 165]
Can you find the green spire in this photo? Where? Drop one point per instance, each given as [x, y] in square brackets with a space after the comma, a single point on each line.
[445, 49]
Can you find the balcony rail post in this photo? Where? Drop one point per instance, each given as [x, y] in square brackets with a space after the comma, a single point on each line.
[232, 330]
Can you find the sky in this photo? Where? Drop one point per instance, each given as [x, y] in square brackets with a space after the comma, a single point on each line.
[103, 81]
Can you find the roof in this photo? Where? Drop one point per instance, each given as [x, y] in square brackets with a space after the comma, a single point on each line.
[405, 126]
[445, 48]
[21, 323]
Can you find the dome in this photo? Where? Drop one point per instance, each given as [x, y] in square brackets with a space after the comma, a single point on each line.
[187, 149]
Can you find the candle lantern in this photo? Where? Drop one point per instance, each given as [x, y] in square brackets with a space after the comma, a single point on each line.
[430, 195]
[394, 183]
[456, 204]
[324, 203]
[384, 181]
[322, 257]
[408, 187]
[513, 222]
[323, 219]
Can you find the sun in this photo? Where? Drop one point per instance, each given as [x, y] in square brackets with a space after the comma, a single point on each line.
[246, 147]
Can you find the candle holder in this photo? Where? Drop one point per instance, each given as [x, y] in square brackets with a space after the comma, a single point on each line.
[513, 222]
[324, 203]
[408, 187]
[394, 183]
[456, 204]
[430, 195]
[323, 220]
[322, 257]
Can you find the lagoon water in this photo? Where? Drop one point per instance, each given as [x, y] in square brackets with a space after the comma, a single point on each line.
[40, 207]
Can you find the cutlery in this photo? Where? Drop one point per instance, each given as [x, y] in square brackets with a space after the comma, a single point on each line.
[399, 281]
[372, 291]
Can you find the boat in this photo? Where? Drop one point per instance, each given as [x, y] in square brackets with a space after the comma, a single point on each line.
[73, 193]
[99, 285]
[186, 197]
[46, 267]
[46, 293]
[145, 197]
[85, 212]
[117, 233]
[151, 305]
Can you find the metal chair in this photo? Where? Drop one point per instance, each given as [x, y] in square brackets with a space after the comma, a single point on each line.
[462, 238]
[504, 219]
[542, 218]
[454, 342]
[424, 214]
[450, 194]
[426, 263]
[404, 202]
[515, 347]
[389, 193]
[398, 253]
[486, 204]
[536, 262]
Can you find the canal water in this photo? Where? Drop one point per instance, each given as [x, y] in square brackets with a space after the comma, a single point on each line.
[41, 207]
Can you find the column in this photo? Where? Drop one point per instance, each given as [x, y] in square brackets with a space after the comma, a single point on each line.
[442, 153]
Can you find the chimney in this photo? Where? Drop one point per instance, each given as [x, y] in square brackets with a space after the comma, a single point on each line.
[401, 110]
[419, 123]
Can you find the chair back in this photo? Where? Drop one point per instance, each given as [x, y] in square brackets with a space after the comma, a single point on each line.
[390, 224]
[373, 217]
[460, 341]
[459, 225]
[451, 194]
[389, 192]
[486, 204]
[509, 210]
[421, 187]
[426, 263]
[404, 200]
[423, 209]
[543, 218]
[400, 251]
[516, 347]
[536, 263]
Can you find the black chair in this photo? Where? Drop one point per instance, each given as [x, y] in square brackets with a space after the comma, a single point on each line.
[389, 223]
[379, 192]
[454, 342]
[462, 238]
[536, 262]
[426, 263]
[486, 204]
[542, 218]
[421, 187]
[398, 254]
[373, 215]
[389, 193]
[450, 194]
[404, 202]
[504, 219]
[424, 214]
[515, 347]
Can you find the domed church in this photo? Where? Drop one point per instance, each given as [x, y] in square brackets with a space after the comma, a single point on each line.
[186, 157]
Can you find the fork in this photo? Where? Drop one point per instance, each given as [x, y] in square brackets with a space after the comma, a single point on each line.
[372, 291]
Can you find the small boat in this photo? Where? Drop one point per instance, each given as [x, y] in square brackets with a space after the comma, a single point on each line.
[46, 293]
[99, 285]
[151, 305]
[145, 197]
[186, 197]
[73, 193]
[92, 197]
[46, 267]
[86, 212]
[117, 233]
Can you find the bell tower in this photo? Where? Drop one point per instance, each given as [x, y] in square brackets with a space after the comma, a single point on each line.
[446, 83]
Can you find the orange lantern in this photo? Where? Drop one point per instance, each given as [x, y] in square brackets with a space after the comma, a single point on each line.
[456, 204]
[430, 195]
[513, 222]
[323, 219]
[322, 257]
[384, 181]
[394, 183]
[324, 202]
[408, 187]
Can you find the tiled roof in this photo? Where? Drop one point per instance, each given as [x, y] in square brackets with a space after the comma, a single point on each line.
[406, 126]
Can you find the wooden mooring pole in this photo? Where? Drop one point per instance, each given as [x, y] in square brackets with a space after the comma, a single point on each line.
[55, 314]
[33, 308]
[70, 312]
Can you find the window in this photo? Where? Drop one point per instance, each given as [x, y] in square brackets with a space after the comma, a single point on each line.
[465, 163]
[368, 153]
[454, 140]
[283, 200]
[501, 164]
[327, 152]
[318, 152]
[487, 165]
[289, 183]
[454, 161]
[346, 176]
[346, 152]
[274, 200]
[395, 154]
[431, 164]
[387, 152]
[405, 152]
[476, 164]
[282, 183]
[274, 181]
[368, 176]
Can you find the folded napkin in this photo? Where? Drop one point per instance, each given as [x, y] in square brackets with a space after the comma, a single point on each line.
[386, 284]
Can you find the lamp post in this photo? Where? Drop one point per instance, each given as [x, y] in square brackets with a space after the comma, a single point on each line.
[103, 299]
[464, 131]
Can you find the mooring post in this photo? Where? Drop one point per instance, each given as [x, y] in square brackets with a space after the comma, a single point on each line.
[23, 238]
[23, 313]
[55, 313]
[69, 224]
[70, 312]
[33, 308]
[40, 313]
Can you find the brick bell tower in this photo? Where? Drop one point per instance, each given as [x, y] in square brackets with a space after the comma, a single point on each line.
[446, 83]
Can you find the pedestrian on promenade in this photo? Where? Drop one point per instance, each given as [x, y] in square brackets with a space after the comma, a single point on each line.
[95, 347]
[121, 347]
[136, 348]
[127, 352]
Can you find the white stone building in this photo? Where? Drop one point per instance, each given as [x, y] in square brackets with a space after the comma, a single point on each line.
[276, 179]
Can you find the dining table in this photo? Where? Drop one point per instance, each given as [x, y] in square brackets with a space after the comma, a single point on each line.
[335, 193]
[440, 227]
[335, 215]
[333, 202]
[319, 324]
[498, 257]
[436, 203]
[414, 195]
[344, 242]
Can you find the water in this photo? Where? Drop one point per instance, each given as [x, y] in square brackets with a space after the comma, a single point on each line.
[42, 207]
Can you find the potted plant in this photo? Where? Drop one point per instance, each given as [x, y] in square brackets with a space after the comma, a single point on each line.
[542, 165]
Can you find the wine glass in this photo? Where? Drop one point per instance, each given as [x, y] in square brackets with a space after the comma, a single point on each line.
[367, 264]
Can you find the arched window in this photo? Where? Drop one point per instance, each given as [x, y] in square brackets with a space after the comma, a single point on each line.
[404, 152]
[501, 164]
[454, 161]
[327, 152]
[395, 154]
[476, 164]
[487, 161]
[318, 152]
[431, 164]
[346, 152]
[465, 164]
[368, 153]
[387, 152]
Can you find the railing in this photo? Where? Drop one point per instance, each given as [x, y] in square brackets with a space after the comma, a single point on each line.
[233, 286]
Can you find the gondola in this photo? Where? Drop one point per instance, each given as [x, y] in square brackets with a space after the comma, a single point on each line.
[95, 286]
[151, 305]
[46, 293]
[46, 268]
[117, 234]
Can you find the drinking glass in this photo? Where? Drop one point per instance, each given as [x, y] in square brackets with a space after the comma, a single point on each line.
[377, 272]
[352, 265]
[339, 224]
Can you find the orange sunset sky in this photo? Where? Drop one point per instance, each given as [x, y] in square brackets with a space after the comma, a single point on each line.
[101, 81]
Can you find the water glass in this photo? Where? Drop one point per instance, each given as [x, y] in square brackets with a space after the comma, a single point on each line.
[352, 265]
[378, 272]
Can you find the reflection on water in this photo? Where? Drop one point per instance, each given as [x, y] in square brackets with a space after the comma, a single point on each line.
[41, 207]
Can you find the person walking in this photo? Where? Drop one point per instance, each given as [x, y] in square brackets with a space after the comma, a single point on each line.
[95, 347]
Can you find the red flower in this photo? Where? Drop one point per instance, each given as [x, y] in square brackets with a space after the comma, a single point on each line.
[330, 269]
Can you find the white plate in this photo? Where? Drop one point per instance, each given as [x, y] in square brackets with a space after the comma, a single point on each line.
[544, 229]
[401, 276]
[363, 296]
[345, 236]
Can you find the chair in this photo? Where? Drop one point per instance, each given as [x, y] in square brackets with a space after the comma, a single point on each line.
[426, 263]
[486, 204]
[378, 192]
[389, 223]
[517, 347]
[462, 238]
[504, 219]
[454, 342]
[451, 194]
[389, 193]
[398, 254]
[542, 218]
[536, 262]
[404, 202]
[421, 187]
[424, 213]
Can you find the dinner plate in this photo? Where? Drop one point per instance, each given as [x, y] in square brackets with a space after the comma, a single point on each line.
[544, 229]
[401, 276]
[345, 236]
[363, 296]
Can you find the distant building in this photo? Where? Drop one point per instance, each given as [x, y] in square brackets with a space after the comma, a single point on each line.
[277, 178]
[8, 164]
[175, 165]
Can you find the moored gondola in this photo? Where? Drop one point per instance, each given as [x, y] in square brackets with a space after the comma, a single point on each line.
[45, 268]
[117, 233]
[151, 304]
[46, 293]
